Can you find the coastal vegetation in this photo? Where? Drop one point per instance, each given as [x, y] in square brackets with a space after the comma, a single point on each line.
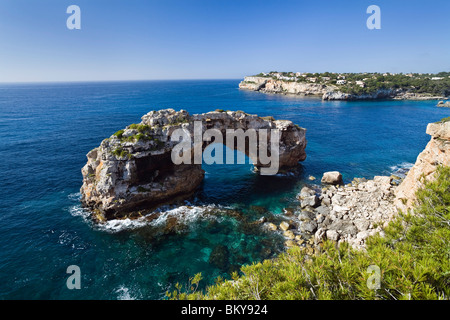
[413, 256]
[369, 83]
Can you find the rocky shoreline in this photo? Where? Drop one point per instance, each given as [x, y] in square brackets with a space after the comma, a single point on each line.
[353, 212]
[342, 213]
[330, 210]
[444, 104]
[328, 92]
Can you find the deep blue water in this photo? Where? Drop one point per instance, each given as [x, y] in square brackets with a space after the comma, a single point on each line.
[47, 129]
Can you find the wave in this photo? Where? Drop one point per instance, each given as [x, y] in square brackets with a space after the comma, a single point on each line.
[186, 214]
[403, 165]
[74, 196]
[401, 170]
[79, 211]
[123, 293]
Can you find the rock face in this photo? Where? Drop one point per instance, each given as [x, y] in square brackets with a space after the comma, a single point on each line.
[437, 152]
[379, 94]
[133, 170]
[443, 104]
[327, 91]
[269, 85]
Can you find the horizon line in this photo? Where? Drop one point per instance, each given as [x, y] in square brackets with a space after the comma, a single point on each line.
[114, 80]
[188, 79]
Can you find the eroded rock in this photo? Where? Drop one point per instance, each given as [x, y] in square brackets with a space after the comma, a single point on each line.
[133, 169]
[332, 177]
[436, 153]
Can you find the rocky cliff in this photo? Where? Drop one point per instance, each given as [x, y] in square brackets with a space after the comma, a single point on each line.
[269, 85]
[327, 91]
[338, 95]
[437, 152]
[133, 169]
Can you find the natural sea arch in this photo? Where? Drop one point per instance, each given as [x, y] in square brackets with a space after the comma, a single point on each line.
[133, 170]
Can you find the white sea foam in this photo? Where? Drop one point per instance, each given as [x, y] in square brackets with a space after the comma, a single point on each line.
[78, 211]
[74, 196]
[123, 293]
[123, 224]
[184, 214]
[403, 165]
[401, 170]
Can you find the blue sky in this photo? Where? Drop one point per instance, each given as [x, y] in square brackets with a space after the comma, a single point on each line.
[200, 39]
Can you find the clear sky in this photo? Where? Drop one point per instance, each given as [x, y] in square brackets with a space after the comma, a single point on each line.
[200, 39]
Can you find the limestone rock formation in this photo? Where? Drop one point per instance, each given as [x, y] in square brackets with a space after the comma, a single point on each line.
[437, 152]
[332, 177]
[329, 91]
[349, 213]
[443, 104]
[379, 94]
[133, 169]
[269, 85]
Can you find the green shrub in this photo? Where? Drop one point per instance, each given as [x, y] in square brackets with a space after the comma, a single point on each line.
[119, 134]
[413, 257]
[142, 137]
[444, 120]
[142, 128]
[121, 153]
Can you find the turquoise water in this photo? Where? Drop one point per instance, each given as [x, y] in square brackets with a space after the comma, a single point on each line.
[47, 129]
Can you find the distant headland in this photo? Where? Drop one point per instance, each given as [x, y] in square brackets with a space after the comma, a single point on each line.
[353, 86]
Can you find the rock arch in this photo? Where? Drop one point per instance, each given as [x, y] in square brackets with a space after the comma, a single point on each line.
[133, 170]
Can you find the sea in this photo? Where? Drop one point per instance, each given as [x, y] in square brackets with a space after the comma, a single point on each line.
[46, 130]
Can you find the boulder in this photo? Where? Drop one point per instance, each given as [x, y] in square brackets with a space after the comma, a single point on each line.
[332, 235]
[306, 215]
[319, 235]
[309, 226]
[290, 243]
[289, 234]
[361, 224]
[311, 201]
[284, 225]
[306, 192]
[344, 227]
[272, 226]
[323, 210]
[332, 177]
